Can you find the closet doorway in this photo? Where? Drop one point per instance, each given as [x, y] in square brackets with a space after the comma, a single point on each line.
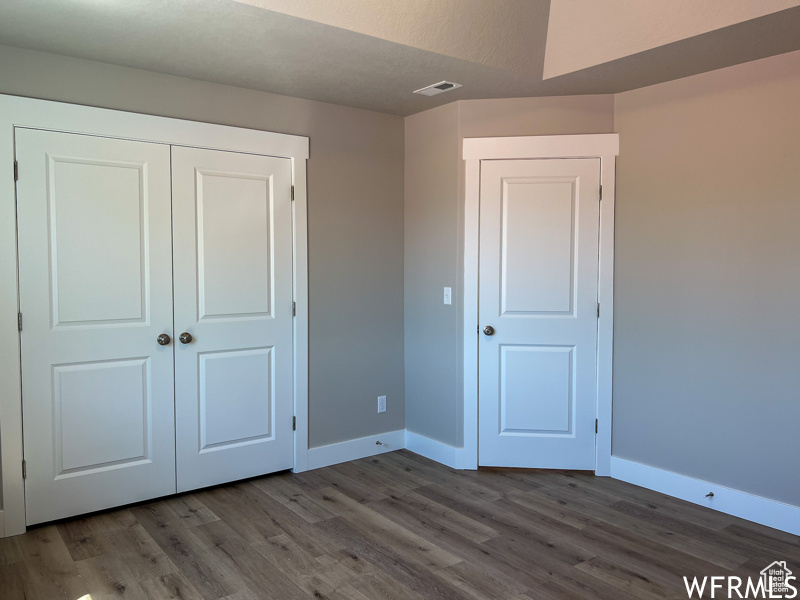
[157, 347]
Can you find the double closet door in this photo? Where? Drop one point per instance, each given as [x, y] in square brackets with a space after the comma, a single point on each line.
[156, 297]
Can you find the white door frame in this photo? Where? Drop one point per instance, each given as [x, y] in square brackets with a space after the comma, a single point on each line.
[56, 116]
[606, 148]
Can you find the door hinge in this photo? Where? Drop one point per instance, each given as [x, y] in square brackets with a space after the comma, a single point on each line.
[601, 192]
[294, 309]
[598, 310]
[24, 469]
[16, 171]
[596, 425]
[292, 193]
[19, 321]
[294, 423]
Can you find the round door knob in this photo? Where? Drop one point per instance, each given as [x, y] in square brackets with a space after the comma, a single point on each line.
[185, 337]
[163, 339]
[488, 330]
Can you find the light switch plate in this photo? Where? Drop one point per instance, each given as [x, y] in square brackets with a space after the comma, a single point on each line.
[448, 296]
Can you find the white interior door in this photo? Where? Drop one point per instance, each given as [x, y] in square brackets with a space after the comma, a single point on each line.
[95, 271]
[233, 295]
[539, 222]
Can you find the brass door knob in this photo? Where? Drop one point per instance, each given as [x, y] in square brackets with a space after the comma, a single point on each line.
[185, 337]
[163, 339]
[488, 330]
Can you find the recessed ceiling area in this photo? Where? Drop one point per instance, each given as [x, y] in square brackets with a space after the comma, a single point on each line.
[373, 55]
[586, 33]
[504, 34]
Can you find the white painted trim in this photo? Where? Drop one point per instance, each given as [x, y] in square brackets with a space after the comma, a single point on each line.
[333, 454]
[542, 146]
[468, 454]
[606, 148]
[432, 449]
[13, 488]
[301, 340]
[605, 325]
[56, 116]
[727, 500]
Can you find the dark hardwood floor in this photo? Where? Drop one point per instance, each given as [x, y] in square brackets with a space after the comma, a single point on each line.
[396, 526]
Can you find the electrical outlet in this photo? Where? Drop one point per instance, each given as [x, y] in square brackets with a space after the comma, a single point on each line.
[381, 404]
[448, 296]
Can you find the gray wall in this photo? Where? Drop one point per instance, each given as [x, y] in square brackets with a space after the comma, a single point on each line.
[355, 219]
[433, 404]
[707, 288]
[555, 115]
[434, 237]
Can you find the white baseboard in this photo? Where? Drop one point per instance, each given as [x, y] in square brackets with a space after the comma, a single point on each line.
[433, 449]
[332, 454]
[730, 501]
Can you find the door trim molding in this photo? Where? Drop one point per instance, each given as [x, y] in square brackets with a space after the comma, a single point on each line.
[56, 116]
[606, 148]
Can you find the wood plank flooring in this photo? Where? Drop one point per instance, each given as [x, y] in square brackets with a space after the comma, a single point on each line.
[396, 526]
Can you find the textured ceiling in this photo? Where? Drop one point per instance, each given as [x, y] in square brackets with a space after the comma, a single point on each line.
[497, 33]
[585, 33]
[371, 60]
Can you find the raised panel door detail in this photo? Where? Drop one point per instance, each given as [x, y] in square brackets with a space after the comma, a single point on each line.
[235, 399]
[537, 390]
[538, 239]
[234, 219]
[97, 240]
[101, 414]
[232, 240]
[95, 284]
[538, 256]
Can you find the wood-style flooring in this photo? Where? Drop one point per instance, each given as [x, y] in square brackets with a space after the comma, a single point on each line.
[396, 526]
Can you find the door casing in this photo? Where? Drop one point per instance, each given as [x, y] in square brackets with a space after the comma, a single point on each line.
[602, 146]
[56, 116]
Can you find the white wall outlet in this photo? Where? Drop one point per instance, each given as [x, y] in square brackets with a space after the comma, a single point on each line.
[381, 404]
[448, 296]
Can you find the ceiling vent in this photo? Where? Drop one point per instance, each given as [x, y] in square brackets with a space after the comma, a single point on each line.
[438, 88]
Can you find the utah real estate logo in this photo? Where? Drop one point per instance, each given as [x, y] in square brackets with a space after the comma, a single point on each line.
[776, 581]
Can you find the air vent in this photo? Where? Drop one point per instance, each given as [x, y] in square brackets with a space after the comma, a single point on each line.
[438, 88]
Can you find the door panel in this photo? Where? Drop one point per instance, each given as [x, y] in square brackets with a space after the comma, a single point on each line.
[233, 294]
[95, 273]
[117, 275]
[539, 222]
[233, 233]
[232, 419]
[537, 246]
[543, 373]
[102, 414]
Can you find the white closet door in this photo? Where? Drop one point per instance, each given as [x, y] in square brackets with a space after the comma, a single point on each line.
[538, 297]
[233, 295]
[95, 274]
